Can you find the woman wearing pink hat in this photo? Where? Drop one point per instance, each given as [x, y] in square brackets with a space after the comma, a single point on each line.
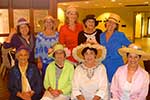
[70, 30]
[131, 81]
[112, 39]
[21, 36]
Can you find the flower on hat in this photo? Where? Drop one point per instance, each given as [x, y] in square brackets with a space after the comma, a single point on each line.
[56, 47]
[22, 21]
[77, 51]
[136, 49]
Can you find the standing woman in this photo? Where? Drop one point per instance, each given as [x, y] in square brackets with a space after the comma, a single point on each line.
[25, 82]
[90, 33]
[23, 36]
[70, 30]
[44, 41]
[112, 39]
[131, 82]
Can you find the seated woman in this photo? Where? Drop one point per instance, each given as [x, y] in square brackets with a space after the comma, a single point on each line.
[25, 82]
[58, 76]
[130, 81]
[90, 78]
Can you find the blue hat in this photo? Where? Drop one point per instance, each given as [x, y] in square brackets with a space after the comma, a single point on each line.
[22, 47]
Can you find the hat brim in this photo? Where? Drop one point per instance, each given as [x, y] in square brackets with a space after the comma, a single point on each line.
[77, 52]
[144, 56]
[110, 19]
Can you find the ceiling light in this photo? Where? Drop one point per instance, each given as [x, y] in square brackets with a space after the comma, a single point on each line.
[113, 0]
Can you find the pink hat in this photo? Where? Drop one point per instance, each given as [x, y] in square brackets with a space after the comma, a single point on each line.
[22, 21]
[114, 17]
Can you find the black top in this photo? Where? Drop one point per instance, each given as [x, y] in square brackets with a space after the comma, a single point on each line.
[82, 36]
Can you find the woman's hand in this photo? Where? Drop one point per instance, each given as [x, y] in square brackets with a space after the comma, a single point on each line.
[80, 97]
[96, 97]
[13, 31]
[24, 95]
[39, 63]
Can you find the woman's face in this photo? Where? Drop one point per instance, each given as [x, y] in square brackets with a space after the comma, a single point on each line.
[24, 29]
[23, 56]
[90, 24]
[133, 59]
[89, 56]
[49, 24]
[72, 16]
[59, 55]
[110, 25]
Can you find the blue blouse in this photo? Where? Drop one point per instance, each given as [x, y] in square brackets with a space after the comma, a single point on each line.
[43, 43]
[113, 60]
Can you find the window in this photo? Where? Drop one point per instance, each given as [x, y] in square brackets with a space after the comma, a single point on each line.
[38, 19]
[4, 22]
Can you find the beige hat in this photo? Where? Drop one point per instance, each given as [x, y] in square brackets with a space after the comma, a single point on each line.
[77, 51]
[114, 17]
[49, 18]
[134, 48]
[71, 9]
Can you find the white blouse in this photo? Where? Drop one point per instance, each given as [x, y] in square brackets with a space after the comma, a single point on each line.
[126, 91]
[90, 82]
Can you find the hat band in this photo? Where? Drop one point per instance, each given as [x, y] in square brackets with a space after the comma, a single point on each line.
[113, 19]
[23, 22]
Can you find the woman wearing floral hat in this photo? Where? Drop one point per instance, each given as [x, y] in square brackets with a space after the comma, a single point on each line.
[90, 78]
[70, 30]
[58, 76]
[90, 33]
[112, 39]
[131, 81]
[21, 36]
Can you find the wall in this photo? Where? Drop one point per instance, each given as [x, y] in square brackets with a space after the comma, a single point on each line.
[126, 13]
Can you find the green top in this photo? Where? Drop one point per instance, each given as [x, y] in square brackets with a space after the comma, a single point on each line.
[65, 79]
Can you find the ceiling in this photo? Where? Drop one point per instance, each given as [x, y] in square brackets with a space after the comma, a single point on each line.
[106, 3]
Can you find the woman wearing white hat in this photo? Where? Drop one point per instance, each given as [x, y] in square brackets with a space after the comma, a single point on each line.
[58, 76]
[70, 30]
[21, 36]
[112, 39]
[131, 82]
[90, 78]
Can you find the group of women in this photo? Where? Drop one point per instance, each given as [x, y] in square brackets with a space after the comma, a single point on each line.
[100, 73]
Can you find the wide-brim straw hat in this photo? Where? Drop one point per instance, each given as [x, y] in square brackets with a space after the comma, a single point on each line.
[77, 52]
[57, 47]
[71, 9]
[114, 17]
[136, 49]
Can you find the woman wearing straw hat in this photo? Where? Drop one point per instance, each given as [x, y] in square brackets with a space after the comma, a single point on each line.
[112, 39]
[21, 36]
[44, 41]
[25, 82]
[90, 78]
[130, 81]
[59, 74]
[70, 30]
[90, 33]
